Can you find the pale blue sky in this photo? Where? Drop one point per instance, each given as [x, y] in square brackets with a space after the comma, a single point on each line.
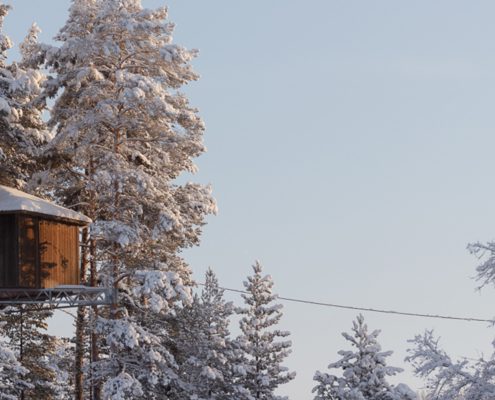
[351, 150]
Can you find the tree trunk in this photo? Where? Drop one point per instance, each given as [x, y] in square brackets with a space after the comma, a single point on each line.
[94, 337]
[21, 341]
[81, 325]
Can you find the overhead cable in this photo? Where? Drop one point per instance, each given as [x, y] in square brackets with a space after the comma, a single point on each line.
[368, 309]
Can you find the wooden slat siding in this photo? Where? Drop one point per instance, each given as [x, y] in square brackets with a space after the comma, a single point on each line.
[59, 249]
[72, 245]
[28, 246]
[8, 267]
[49, 247]
[76, 273]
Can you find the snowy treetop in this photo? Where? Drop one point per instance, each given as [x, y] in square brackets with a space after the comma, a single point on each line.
[5, 42]
[15, 200]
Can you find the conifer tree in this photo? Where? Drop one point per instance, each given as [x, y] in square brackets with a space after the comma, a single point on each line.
[28, 339]
[124, 133]
[12, 374]
[208, 359]
[364, 371]
[61, 363]
[262, 344]
[22, 130]
[12, 382]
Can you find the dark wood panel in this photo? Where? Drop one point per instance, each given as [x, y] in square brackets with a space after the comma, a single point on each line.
[28, 252]
[8, 264]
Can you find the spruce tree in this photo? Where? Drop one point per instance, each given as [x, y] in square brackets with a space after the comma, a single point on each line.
[209, 362]
[364, 371]
[124, 133]
[263, 346]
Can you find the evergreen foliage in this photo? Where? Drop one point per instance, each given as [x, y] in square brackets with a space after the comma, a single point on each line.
[12, 373]
[364, 371]
[28, 339]
[22, 130]
[61, 363]
[208, 358]
[124, 133]
[263, 346]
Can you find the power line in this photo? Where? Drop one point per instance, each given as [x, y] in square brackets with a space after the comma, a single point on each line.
[375, 310]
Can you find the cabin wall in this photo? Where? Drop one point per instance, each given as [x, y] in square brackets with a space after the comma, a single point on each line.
[48, 253]
[28, 252]
[8, 259]
[59, 254]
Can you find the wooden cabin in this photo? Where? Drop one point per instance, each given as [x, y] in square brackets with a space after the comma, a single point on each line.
[39, 242]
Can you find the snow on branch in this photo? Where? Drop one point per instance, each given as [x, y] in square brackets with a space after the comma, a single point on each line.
[486, 270]
[448, 379]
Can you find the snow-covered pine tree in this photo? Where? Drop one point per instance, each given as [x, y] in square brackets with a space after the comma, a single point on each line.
[365, 371]
[12, 382]
[457, 379]
[124, 133]
[208, 360]
[61, 362]
[22, 130]
[28, 339]
[263, 346]
[12, 374]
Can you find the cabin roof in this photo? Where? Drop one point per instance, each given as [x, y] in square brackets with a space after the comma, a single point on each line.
[13, 200]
